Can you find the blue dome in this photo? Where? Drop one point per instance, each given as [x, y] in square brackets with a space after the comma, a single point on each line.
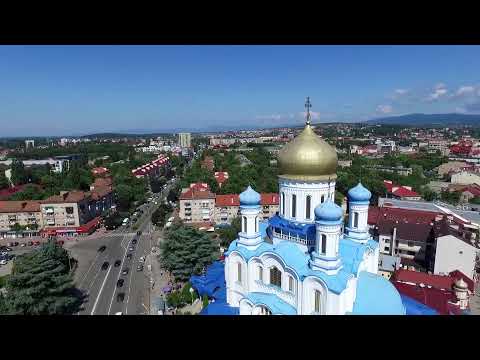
[328, 211]
[359, 193]
[249, 197]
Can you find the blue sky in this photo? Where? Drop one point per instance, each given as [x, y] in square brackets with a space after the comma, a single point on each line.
[62, 90]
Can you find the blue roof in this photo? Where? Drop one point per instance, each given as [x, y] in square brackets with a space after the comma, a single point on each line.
[359, 193]
[296, 260]
[213, 280]
[328, 211]
[250, 197]
[305, 230]
[220, 308]
[413, 307]
[376, 296]
[276, 305]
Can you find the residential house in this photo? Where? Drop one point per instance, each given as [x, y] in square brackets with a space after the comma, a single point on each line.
[24, 213]
[197, 204]
[400, 192]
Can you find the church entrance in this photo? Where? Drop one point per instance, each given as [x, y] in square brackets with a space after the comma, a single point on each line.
[263, 310]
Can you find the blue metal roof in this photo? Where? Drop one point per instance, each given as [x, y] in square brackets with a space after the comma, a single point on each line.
[376, 296]
[359, 193]
[413, 307]
[276, 305]
[328, 211]
[304, 230]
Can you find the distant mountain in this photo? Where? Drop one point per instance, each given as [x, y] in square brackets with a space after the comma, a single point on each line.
[429, 120]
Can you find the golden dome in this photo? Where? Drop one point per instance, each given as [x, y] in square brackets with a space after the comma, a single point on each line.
[307, 157]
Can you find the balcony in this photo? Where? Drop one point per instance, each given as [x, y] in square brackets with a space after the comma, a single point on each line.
[50, 222]
[49, 211]
[297, 239]
[275, 290]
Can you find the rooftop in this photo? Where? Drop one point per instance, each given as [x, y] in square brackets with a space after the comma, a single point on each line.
[19, 206]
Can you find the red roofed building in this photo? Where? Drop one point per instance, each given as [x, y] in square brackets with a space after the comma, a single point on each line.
[24, 213]
[221, 177]
[197, 203]
[400, 192]
[448, 295]
[153, 168]
[227, 207]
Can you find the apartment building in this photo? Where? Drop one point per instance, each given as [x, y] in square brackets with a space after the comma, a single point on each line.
[197, 204]
[400, 192]
[184, 140]
[227, 207]
[24, 213]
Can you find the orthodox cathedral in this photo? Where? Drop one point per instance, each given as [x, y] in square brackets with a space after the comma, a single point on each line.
[307, 261]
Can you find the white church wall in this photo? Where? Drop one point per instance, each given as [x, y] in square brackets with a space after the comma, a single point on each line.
[310, 284]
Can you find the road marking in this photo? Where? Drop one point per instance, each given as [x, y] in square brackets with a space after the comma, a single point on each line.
[101, 289]
[90, 268]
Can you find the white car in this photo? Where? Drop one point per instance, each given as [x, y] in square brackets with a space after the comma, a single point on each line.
[119, 313]
[3, 262]
[142, 259]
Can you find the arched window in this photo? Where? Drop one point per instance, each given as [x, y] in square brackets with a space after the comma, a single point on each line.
[317, 301]
[324, 244]
[275, 277]
[260, 273]
[283, 203]
[308, 206]
[239, 272]
[294, 205]
[256, 223]
[291, 284]
[244, 224]
[355, 219]
[322, 199]
[264, 311]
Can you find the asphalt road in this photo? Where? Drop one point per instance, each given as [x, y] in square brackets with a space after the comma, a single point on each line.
[99, 285]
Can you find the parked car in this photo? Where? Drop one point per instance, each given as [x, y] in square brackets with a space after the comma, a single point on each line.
[129, 256]
[23, 245]
[102, 248]
[131, 248]
[117, 263]
[140, 267]
[142, 259]
[120, 282]
[139, 233]
[105, 265]
[134, 241]
[120, 297]
[125, 271]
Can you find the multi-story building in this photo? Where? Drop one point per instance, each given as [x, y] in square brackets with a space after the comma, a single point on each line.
[184, 140]
[197, 204]
[24, 213]
[465, 178]
[153, 168]
[29, 143]
[457, 253]
[227, 207]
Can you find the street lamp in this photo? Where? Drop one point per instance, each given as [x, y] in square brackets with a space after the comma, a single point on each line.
[191, 292]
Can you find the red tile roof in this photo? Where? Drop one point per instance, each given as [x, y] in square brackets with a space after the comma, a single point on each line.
[197, 191]
[457, 274]
[19, 206]
[405, 231]
[375, 214]
[227, 200]
[269, 199]
[99, 171]
[68, 197]
[436, 281]
[399, 190]
[146, 169]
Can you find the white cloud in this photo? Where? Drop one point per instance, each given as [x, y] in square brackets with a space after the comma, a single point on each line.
[269, 117]
[401, 91]
[465, 90]
[460, 110]
[384, 109]
[439, 91]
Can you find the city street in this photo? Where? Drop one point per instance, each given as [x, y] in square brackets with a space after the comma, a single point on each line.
[99, 285]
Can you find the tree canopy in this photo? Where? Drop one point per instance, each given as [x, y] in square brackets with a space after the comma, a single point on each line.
[186, 251]
[41, 284]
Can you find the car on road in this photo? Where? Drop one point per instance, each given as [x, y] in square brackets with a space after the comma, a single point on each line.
[139, 233]
[134, 241]
[131, 248]
[120, 297]
[3, 262]
[117, 263]
[120, 282]
[23, 245]
[125, 271]
[105, 265]
[142, 259]
[102, 248]
[140, 267]
[129, 256]
[119, 313]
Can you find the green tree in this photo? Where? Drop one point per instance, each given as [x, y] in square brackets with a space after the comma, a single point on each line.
[41, 283]
[428, 194]
[19, 175]
[475, 200]
[205, 301]
[339, 198]
[186, 251]
[4, 183]
[229, 233]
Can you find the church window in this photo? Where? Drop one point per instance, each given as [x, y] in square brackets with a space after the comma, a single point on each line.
[245, 224]
[275, 277]
[260, 273]
[239, 272]
[291, 284]
[308, 206]
[317, 301]
[294, 205]
[256, 223]
[324, 244]
[322, 199]
[283, 203]
[355, 219]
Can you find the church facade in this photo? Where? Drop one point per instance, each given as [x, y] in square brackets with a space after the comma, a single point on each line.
[307, 261]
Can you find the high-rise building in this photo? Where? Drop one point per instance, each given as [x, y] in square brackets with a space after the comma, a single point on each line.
[29, 143]
[184, 140]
